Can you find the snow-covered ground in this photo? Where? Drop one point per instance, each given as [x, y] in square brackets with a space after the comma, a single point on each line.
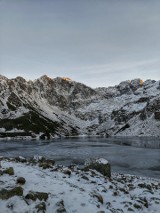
[73, 190]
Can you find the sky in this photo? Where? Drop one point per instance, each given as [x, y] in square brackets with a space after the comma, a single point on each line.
[96, 42]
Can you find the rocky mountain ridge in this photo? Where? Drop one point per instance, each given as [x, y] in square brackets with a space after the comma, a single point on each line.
[62, 107]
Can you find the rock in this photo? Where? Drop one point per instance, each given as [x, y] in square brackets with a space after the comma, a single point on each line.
[101, 165]
[61, 208]
[99, 197]
[116, 193]
[37, 158]
[45, 165]
[85, 177]
[124, 190]
[49, 161]
[144, 185]
[20, 159]
[42, 195]
[21, 180]
[136, 83]
[144, 201]
[43, 162]
[110, 187]
[36, 195]
[45, 136]
[157, 115]
[130, 210]
[6, 194]
[67, 172]
[41, 207]
[137, 206]
[124, 87]
[9, 171]
[31, 196]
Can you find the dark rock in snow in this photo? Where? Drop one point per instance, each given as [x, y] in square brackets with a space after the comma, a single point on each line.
[99, 197]
[67, 172]
[36, 195]
[61, 207]
[101, 165]
[6, 194]
[21, 180]
[9, 171]
[41, 207]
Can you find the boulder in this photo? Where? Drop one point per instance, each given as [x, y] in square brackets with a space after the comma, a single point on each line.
[21, 180]
[101, 165]
[9, 171]
[20, 159]
[36, 195]
[6, 194]
[41, 207]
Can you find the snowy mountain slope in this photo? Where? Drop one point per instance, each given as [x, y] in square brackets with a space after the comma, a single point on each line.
[63, 107]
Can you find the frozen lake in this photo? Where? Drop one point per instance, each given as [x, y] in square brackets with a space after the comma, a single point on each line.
[131, 155]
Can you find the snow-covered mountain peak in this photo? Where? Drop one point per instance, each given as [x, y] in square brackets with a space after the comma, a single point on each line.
[3, 78]
[130, 108]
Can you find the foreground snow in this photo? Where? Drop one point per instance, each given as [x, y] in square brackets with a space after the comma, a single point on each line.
[77, 191]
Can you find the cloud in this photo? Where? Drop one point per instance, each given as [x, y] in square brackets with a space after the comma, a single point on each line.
[81, 39]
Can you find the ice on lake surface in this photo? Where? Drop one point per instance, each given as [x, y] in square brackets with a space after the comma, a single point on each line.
[131, 155]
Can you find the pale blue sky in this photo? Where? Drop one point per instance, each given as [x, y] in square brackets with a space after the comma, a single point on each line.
[96, 42]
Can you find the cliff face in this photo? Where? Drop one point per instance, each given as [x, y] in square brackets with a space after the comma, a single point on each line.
[61, 106]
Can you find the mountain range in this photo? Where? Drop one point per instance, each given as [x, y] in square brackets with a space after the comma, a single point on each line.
[52, 107]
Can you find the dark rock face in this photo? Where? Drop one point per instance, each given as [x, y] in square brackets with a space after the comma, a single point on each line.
[60, 92]
[136, 83]
[124, 87]
[143, 99]
[154, 105]
[14, 100]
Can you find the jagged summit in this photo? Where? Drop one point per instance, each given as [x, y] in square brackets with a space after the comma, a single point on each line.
[3, 77]
[60, 106]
